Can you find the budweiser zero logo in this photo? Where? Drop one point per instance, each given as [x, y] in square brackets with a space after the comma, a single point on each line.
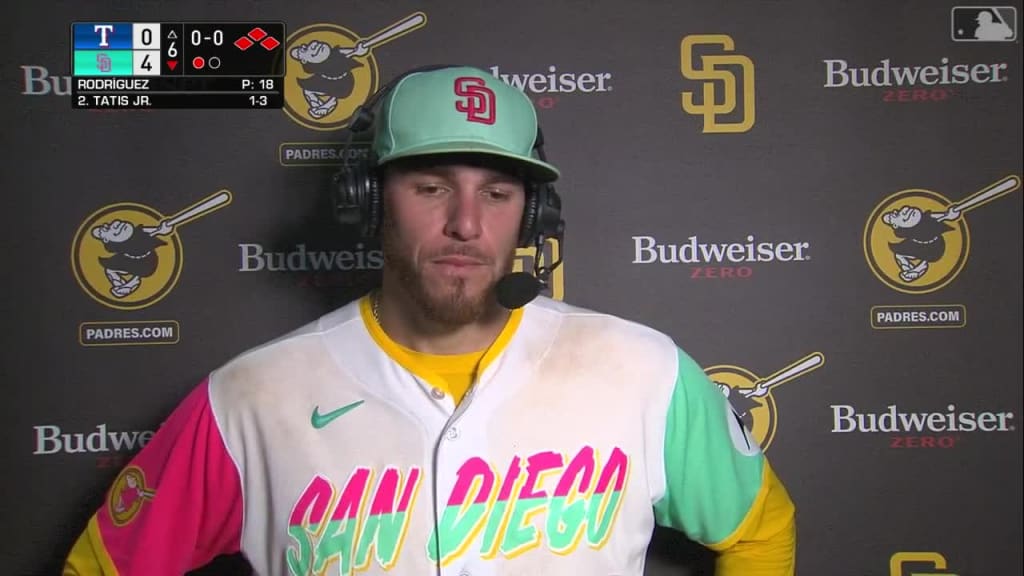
[478, 99]
[718, 70]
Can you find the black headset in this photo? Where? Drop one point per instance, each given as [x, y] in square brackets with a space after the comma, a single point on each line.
[357, 190]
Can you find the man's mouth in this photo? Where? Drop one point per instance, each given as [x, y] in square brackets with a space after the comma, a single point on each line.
[458, 261]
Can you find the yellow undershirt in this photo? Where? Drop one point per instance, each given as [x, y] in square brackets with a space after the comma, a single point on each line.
[451, 373]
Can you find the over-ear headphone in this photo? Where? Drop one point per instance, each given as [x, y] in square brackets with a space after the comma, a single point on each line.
[357, 189]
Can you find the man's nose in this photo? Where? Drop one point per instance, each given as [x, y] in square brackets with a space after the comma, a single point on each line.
[464, 213]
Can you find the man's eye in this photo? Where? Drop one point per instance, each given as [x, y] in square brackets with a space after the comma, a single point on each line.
[497, 194]
[429, 189]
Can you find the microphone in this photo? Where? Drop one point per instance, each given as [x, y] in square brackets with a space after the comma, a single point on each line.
[517, 289]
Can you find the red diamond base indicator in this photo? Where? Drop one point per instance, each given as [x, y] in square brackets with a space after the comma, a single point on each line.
[198, 62]
[270, 43]
[244, 43]
[257, 34]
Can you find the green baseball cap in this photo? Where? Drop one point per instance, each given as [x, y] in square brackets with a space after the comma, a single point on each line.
[459, 110]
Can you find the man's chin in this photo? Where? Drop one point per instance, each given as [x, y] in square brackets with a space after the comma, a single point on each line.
[455, 311]
[457, 303]
[473, 282]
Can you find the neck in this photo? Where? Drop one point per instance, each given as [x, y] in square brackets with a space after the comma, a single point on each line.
[406, 323]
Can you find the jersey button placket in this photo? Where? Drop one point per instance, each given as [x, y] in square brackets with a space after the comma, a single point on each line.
[437, 397]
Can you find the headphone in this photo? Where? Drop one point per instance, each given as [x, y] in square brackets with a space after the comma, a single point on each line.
[357, 189]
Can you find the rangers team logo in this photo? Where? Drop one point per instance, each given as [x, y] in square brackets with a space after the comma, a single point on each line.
[752, 401]
[917, 241]
[128, 256]
[333, 71]
[127, 495]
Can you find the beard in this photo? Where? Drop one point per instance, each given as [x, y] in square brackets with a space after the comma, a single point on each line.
[450, 301]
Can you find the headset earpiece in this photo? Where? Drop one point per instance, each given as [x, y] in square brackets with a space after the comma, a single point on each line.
[356, 194]
[374, 209]
[542, 215]
[542, 212]
[528, 225]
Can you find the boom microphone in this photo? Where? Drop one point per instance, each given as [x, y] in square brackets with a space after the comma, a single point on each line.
[517, 289]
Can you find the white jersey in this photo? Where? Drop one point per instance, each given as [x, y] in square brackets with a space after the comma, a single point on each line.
[319, 453]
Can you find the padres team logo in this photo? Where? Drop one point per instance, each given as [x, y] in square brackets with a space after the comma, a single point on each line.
[716, 71]
[917, 241]
[333, 71]
[751, 397]
[527, 259]
[127, 495]
[476, 99]
[128, 256]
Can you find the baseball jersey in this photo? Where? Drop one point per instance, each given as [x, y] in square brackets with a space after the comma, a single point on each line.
[323, 453]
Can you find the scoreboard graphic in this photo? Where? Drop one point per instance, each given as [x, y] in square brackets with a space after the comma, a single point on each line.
[129, 65]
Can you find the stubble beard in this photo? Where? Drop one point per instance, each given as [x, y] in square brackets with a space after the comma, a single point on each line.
[449, 304]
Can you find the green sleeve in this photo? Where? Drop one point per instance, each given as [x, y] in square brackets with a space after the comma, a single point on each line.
[713, 467]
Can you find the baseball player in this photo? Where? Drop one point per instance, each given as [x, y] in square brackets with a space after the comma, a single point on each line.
[427, 429]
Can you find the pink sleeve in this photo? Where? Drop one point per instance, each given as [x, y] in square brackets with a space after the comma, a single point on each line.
[184, 504]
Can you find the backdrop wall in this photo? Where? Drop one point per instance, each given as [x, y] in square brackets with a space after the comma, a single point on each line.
[747, 177]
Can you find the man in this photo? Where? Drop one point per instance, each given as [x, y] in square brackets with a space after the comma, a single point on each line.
[425, 429]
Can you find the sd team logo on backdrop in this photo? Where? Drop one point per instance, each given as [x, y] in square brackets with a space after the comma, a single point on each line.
[551, 252]
[732, 110]
[916, 242]
[128, 256]
[751, 397]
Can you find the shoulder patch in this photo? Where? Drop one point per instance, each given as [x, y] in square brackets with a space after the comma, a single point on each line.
[128, 495]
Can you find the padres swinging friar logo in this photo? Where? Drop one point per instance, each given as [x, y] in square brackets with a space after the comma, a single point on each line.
[333, 71]
[917, 241]
[751, 397]
[128, 256]
[127, 495]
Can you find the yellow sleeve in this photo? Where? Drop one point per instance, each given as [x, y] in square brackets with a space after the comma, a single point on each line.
[766, 541]
[88, 557]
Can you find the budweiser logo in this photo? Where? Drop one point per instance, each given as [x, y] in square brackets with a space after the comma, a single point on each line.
[846, 418]
[839, 73]
[51, 439]
[647, 250]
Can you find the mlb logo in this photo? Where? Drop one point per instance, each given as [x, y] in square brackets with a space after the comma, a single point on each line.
[984, 24]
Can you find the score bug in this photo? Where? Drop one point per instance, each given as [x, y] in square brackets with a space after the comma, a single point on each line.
[183, 64]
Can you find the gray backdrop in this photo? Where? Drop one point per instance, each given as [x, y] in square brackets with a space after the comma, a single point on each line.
[807, 123]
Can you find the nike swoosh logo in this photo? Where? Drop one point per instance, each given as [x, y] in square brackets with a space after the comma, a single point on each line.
[319, 420]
